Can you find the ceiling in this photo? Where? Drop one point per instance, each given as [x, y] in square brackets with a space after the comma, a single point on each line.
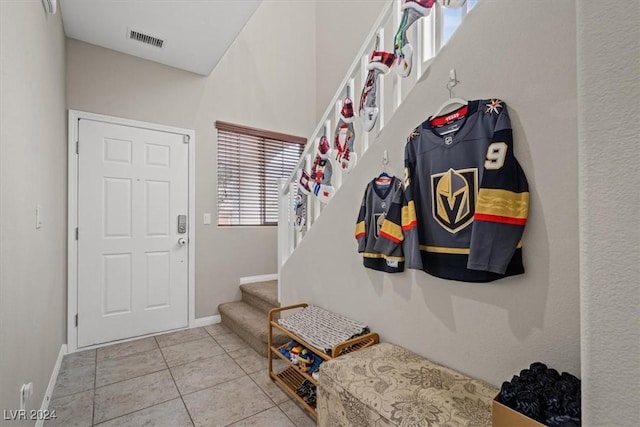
[194, 34]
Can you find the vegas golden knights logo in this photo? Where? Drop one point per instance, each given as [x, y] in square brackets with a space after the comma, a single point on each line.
[454, 198]
[379, 221]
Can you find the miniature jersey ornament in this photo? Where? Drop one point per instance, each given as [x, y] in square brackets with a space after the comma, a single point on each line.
[345, 137]
[412, 10]
[322, 171]
[380, 63]
[300, 201]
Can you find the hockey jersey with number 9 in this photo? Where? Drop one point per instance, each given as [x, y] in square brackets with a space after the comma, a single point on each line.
[466, 197]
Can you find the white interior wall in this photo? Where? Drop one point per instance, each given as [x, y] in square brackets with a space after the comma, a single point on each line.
[608, 128]
[265, 80]
[490, 331]
[341, 27]
[33, 165]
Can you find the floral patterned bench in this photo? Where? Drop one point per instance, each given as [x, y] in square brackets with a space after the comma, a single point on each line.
[387, 385]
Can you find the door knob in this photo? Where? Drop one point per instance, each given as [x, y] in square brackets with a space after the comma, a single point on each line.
[182, 241]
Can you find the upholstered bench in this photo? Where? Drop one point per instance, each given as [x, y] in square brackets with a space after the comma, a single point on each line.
[387, 385]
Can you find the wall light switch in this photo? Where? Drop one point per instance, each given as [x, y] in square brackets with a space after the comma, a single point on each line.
[206, 219]
[38, 216]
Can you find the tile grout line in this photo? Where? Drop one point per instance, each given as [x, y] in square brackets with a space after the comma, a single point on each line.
[245, 418]
[249, 375]
[143, 351]
[181, 342]
[130, 378]
[137, 410]
[215, 385]
[180, 394]
[177, 388]
[133, 412]
[126, 355]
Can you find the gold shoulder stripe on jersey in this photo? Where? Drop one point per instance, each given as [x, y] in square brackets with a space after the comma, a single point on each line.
[502, 203]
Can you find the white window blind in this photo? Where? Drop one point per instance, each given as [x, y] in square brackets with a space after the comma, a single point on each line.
[250, 162]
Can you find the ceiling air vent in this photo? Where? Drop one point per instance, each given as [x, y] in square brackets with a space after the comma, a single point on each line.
[146, 38]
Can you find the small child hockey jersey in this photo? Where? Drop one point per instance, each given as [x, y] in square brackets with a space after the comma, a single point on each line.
[466, 198]
[377, 200]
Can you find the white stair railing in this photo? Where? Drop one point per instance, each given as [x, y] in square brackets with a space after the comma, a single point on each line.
[426, 36]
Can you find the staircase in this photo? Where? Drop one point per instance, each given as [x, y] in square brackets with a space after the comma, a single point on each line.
[248, 317]
[427, 36]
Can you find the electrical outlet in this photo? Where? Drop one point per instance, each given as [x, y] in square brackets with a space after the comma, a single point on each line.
[26, 391]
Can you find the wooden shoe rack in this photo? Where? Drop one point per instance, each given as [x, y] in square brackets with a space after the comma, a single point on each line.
[291, 378]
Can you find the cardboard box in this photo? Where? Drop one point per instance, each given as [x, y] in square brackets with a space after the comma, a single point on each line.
[503, 416]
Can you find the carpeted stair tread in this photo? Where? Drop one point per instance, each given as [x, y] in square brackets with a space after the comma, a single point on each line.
[250, 324]
[266, 291]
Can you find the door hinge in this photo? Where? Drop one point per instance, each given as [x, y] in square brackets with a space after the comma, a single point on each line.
[186, 138]
[77, 147]
[77, 233]
[76, 320]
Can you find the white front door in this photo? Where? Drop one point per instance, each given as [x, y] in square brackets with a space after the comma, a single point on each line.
[132, 263]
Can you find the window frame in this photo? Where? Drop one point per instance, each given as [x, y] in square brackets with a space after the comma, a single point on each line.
[264, 135]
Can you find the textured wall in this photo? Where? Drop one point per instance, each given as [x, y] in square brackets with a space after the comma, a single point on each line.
[487, 330]
[341, 27]
[608, 91]
[33, 162]
[265, 80]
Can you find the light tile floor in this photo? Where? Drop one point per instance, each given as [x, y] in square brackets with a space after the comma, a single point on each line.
[196, 377]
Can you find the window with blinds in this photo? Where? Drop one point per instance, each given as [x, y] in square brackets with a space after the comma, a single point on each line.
[250, 163]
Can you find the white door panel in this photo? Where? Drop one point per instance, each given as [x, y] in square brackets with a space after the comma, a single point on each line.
[132, 273]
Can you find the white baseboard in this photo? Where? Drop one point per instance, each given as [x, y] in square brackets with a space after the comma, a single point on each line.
[255, 279]
[52, 383]
[205, 321]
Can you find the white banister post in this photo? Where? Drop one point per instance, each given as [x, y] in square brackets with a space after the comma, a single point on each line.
[438, 25]
[296, 236]
[381, 87]
[291, 242]
[310, 204]
[337, 170]
[283, 223]
[364, 61]
[397, 78]
[418, 52]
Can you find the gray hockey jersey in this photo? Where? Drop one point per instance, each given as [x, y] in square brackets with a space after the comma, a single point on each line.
[466, 198]
[380, 194]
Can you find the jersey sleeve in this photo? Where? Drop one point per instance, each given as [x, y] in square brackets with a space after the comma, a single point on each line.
[502, 206]
[400, 225]
[361, 224]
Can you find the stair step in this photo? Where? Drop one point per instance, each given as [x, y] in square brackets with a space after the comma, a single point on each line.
[250, 323]
[262, 295]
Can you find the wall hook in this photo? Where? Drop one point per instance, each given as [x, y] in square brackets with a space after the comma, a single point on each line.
[453, 81]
